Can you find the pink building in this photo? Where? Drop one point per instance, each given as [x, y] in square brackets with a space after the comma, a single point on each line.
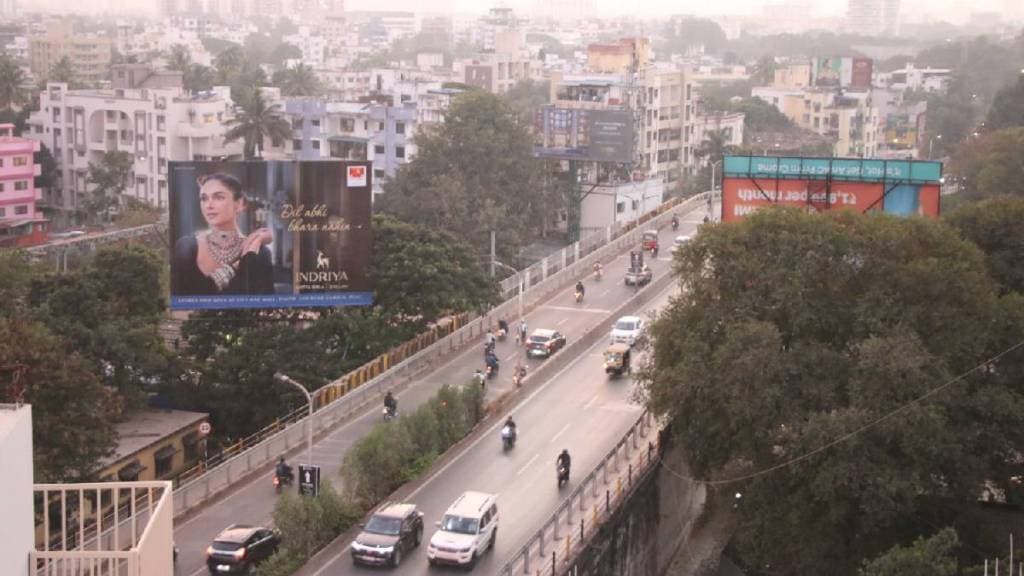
[20, 223]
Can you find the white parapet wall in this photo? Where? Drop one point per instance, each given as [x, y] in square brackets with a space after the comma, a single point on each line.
[16, 528]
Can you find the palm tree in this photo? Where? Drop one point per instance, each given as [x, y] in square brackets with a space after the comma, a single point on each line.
[11, 81]
[714, 146]
[298, 81]
[255, 121]
[199, 77]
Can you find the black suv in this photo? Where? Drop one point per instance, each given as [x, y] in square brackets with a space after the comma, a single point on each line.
[238, 548]
[393, 530]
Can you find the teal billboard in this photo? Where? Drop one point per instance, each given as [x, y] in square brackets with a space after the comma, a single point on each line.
[845, 169]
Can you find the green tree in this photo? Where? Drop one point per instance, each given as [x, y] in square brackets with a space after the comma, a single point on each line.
[15, 281]
[298, 80]
[793, 331]
[994, 225]
[1008, 107]
[198, 78]
[715, 146]
[64, 71]
[934, 556]
[764, 71]
[444, 186]
[12, 80]
[989, 165]
[48, 172]
[423, 273]
[257, 121]
[179, 58]
[525, 97]
[109, 313]
[72, 411]
[109, 179]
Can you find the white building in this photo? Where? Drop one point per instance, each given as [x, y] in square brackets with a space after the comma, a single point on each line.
[155, 125]
[911, 78]
[729, 123]
[312, 45]
[142, 545]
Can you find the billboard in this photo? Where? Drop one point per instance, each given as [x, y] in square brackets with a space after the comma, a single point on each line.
[574, 134]
[274, 234]
[899, 187]
[829, 72]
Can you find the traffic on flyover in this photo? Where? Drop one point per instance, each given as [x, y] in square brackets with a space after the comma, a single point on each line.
[579, 409]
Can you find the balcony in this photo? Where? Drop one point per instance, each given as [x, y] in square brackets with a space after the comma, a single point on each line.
[104, 529]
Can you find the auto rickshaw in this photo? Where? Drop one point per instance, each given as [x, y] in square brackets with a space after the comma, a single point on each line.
[616, 360]
[649, 240]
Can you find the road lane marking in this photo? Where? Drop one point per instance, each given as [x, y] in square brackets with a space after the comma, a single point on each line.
[591, 403]
[527, 465]
[577, 309]
[605, 292]
[559, 433]
[562, 321]
[200, 571]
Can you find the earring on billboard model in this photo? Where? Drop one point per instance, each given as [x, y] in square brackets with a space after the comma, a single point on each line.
[222, 276]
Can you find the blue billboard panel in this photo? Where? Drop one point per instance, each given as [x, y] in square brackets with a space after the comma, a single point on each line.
[845, 169]
[276, 234]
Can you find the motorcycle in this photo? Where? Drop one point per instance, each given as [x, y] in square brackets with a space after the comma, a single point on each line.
[389, 413]
[500, 334]
[579, 297]
[598, 273]
[281, 480]
[492, 370]
[508, 438]
[563, 475]
[518, 375]
[675, 224]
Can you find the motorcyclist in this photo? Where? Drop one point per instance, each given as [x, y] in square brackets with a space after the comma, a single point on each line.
[598, 269]
[654, 250]
[489, 340]
[283, 470]
[522, 331]
[391, 403]
[579, 288]
[503, 327]
[492, 361]
[675, 222]
[564, 461]
[511, 426]
[479, 377]
[518, 374]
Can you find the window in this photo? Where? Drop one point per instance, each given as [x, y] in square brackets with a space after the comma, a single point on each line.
[378, 149]
[1, 162]
[297, 144]
[620, 207]
[164, 459]
[315, 123]
[160, 121]
[297, 123]
[20, 210]
[3, 213]
[399, 127]
[2, 186]
[378, 173]
[316, 144]
[21, 185]
[400, 151]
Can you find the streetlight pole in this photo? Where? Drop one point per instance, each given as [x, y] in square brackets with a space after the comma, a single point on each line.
[930, 142]
[280, 377]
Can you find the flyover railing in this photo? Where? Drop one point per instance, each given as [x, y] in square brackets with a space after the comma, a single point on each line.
[345, 397]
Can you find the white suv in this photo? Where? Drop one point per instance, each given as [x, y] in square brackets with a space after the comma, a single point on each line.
[468, 529]
[627, 329]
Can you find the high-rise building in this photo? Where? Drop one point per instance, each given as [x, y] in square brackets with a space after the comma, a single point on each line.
[873, 17]
[21, 224]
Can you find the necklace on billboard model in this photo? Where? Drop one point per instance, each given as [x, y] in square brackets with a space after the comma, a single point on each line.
[226, 248]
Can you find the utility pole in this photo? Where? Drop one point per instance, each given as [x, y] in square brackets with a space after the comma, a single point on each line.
[493, 242]
[575, 202]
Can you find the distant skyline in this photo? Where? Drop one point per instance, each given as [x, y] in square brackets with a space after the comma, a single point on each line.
[916, 10]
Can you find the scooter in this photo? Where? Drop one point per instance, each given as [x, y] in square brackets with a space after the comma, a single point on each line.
[388, 413]
[675, 224]
[492, 370]
[563, 475]
[598, 273]
[579, 297]
[518, 375]
[500, 334]
[508, 438]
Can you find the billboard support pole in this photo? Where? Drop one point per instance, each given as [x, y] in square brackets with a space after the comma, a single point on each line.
[575, 201]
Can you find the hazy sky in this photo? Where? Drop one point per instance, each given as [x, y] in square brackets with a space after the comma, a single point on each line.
[951, 10]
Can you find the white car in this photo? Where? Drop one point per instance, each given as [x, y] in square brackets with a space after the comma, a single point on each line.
[468, 529]
[679, 242]
[627, 329]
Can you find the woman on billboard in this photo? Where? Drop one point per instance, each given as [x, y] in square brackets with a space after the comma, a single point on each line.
[221, 259]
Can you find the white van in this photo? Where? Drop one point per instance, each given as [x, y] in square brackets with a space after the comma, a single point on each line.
[468, 529]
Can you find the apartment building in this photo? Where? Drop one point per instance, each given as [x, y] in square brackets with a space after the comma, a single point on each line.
[21, 222]
[381, 133]
[730, 124]
[89, 54]
[499, 71]
[155, 125]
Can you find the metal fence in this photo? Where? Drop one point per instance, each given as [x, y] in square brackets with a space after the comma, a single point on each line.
[527, 290]
[593, 501]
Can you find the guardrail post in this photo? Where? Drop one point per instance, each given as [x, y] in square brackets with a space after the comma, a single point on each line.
[563, 259]
[526, 559]
[634, 440]
[604, 466]
[540, 542]
[607, 500]
[630, 475]
[576, 252]
[555, 534]
[593, 486]
[607, 234]
[553, 563]
[568, 509]
[581, 529]
[544, 269]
